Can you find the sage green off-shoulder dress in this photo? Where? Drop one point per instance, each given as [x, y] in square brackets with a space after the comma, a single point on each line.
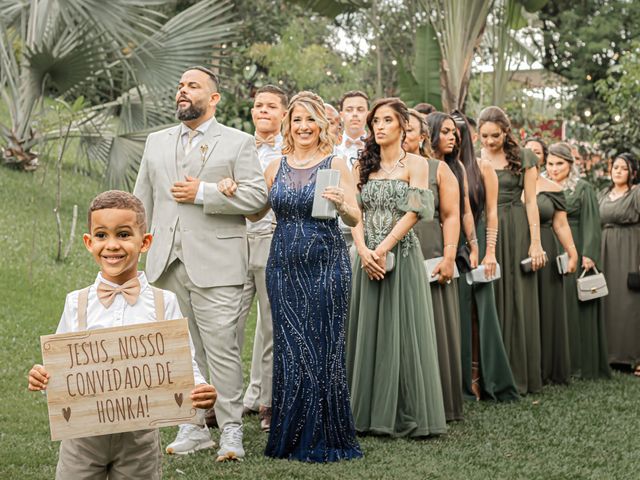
[554, 329]
[392, 359]
[446, 309]
[517, 292]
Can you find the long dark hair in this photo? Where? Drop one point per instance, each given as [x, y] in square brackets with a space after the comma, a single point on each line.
[467, 156]
[434, 122]
[369, 159]
[632, 167]
[545, 148]
[511, 148]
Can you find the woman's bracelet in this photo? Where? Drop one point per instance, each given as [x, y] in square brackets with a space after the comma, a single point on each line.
[473, 241]
[394, 237]
[451, 245]
[492, 237]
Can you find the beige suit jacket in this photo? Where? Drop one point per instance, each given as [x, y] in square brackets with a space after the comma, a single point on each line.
[213, 235]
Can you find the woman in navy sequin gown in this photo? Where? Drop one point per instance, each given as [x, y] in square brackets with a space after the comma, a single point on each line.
[309, 283]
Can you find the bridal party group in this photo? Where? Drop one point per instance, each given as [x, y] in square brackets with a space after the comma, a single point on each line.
[453, 260]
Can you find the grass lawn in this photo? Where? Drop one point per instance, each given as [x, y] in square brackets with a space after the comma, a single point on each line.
[589, 430]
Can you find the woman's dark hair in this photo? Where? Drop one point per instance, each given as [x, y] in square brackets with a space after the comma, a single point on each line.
[435, 121]
[632, 166]
[511, 148]
[545, 148]
[467, 156]
[369, 159]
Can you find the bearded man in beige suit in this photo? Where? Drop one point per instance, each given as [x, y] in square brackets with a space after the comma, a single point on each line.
[197, 180]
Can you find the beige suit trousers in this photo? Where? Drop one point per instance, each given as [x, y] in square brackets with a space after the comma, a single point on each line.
[213, 319]
[118, 456]
[259, 390]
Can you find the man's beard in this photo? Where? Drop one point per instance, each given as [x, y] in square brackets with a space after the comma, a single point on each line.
[190, 113]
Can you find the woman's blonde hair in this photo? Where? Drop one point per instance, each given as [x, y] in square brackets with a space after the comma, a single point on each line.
[315, 106]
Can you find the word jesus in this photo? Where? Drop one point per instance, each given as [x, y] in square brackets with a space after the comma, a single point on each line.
[141, 346]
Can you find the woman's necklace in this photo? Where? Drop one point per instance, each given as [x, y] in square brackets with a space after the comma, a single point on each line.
[616, 194]
[392, 169]
[304, 163]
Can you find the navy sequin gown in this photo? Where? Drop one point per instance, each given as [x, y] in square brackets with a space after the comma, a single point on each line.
[309, 282]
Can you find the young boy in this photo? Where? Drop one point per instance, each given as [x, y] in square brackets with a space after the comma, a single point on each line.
[120, 296]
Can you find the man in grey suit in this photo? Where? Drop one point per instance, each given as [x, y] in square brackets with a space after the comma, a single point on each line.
[197, 180]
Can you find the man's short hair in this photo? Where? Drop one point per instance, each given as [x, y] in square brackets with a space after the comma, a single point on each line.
[284, 99]
[425, 108]
[351, 94]
[212, 76]
[122, 201]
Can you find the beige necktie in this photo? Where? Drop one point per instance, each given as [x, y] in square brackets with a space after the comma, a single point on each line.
[190, 136]
[129, 290]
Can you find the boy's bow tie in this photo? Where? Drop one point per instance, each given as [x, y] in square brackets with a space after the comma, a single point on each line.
[270, 140]
[129, 290]
[357, 142]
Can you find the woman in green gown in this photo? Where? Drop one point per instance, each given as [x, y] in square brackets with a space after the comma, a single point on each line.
[518, 238]
[392, 362]
[587, 342]
[439, 238]
[555, 234]
[620, 217]
[486, 371]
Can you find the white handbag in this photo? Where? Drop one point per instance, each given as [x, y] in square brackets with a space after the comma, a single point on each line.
[592, 286]
[432, 263]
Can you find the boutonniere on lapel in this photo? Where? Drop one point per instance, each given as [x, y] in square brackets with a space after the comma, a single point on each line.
[203, 152]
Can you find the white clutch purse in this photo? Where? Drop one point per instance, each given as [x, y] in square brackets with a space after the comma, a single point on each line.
[324, 209]
[477, 275]
[432, 263]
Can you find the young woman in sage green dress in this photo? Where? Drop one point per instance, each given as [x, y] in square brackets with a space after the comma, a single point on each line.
[555, 235]
[587, 342]
[518, 238]
[439, 238]
[620, 217]
[392, 362]
[486, 371]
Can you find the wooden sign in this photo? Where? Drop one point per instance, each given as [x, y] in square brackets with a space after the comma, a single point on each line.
[118, 379]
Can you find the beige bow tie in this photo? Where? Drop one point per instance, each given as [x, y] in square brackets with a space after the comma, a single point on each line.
[270, 140]
[350, 143]
[129, 290]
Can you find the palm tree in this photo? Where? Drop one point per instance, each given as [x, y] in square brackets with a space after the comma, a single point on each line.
[122, 56]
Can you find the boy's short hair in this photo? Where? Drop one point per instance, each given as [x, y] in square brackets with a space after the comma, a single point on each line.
[120, 200]
[351, 94]
[284, 99]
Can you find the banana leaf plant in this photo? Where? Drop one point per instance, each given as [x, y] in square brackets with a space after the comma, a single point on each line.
[124, 57]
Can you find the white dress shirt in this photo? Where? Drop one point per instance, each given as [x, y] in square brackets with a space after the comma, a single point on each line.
[266, 154]
[120, 313]
[350, 154]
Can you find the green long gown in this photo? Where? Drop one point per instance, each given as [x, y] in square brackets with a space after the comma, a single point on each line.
[517, 292]
[554, 329]
[587, 340]
[620, 255]
[496, 379]
[446, 310]
[392, 360]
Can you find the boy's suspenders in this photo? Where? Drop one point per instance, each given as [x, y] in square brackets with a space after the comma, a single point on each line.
[83, 299]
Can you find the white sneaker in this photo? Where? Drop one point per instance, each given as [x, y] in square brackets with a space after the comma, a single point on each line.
[231, 443]
[190, 438]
